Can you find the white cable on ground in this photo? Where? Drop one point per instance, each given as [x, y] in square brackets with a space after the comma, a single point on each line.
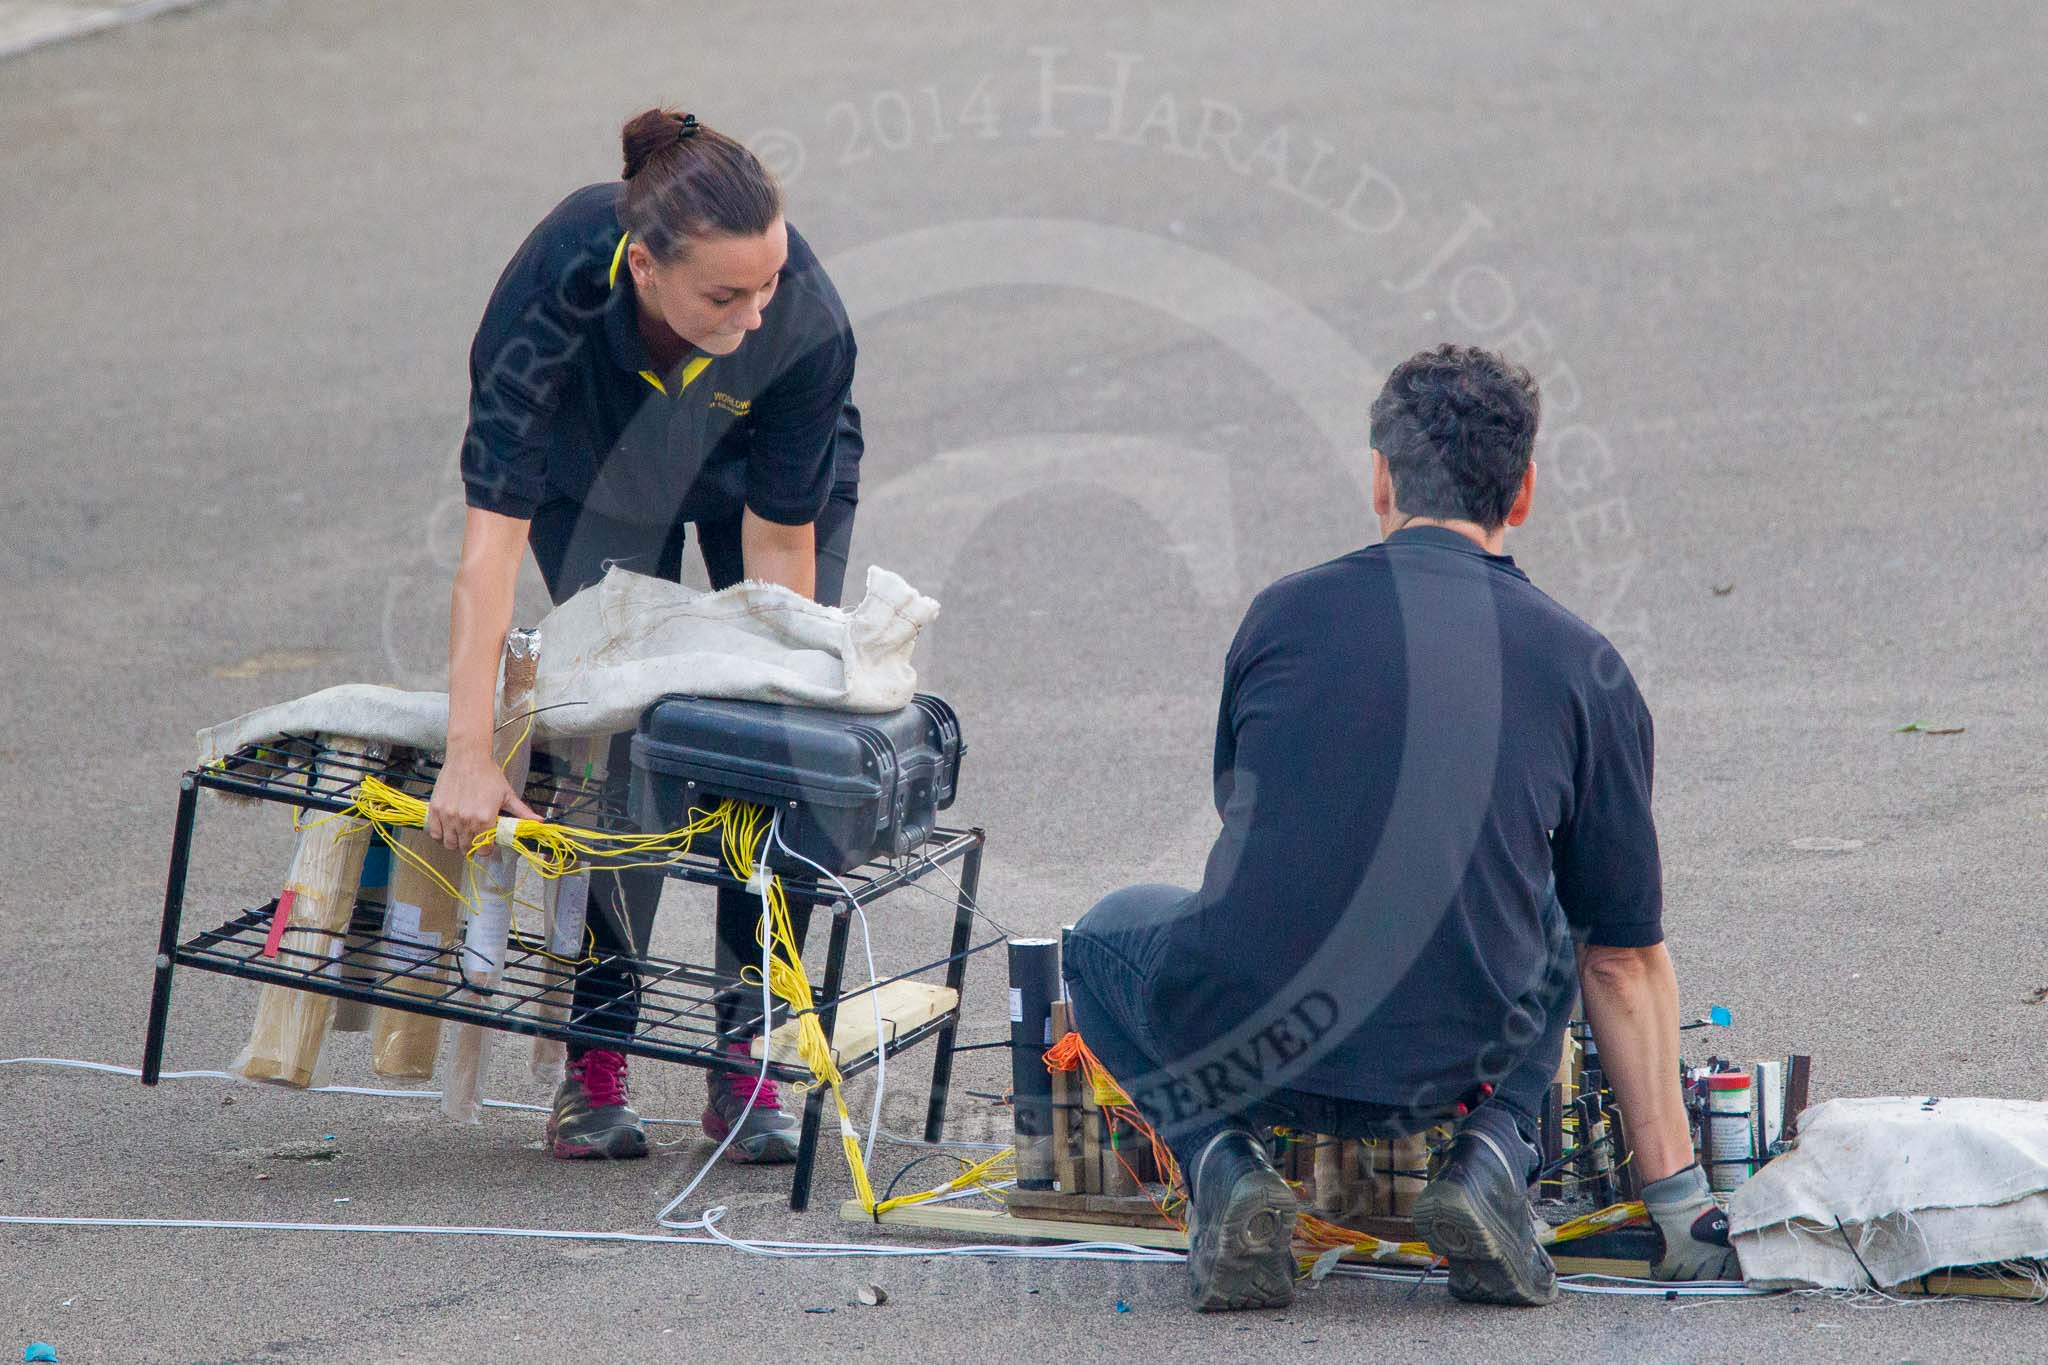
[1076, 1251]
[1071, 1251]
[709, 1220]
[711, 1215]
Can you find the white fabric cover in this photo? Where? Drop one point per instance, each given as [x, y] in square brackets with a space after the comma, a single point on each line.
[617, 646]
[1916, 1187]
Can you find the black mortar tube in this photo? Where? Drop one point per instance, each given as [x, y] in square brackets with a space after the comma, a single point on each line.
[1034, 985]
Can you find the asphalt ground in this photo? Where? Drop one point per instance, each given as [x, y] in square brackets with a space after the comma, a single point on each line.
[1780, 270]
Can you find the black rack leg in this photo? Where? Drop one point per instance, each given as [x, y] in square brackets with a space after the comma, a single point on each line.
[825, 999]
[167, 936]
[956, 979]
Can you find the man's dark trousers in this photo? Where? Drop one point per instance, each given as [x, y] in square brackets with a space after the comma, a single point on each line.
[1104, 970]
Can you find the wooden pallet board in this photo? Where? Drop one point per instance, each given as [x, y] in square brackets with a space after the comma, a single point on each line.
[1127, 1210]
[982, 1223]
[905, 1005]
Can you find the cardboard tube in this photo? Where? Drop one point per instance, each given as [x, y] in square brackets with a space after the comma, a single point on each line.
[483, 936]
[291, 1025]
[1119, 1158]
[357, 962]
[1034, 985]
[566, 901]
[421, 918]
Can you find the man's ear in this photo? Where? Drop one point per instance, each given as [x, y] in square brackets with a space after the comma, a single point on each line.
[1519, 511]
[1382, 486]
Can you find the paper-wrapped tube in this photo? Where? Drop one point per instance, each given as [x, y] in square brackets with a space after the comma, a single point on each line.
[484, 935]
[566, 901]
[422, 918]
[358, 962]
[291, 1025]
[1034, 985]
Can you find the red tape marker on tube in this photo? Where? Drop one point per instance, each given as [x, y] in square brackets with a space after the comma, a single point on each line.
[279, 922]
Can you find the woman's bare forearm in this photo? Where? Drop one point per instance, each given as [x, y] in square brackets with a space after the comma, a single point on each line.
[480, 613]
[774, 553]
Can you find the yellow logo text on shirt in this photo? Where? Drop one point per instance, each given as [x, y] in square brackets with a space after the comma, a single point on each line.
[738, 407]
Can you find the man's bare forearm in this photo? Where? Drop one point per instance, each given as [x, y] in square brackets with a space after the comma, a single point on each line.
[1631, 997]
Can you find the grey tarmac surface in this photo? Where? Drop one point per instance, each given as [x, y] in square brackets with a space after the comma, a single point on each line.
[1782, 271]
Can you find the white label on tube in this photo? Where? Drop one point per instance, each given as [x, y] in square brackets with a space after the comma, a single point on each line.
[407, 939]
[483, 938]
[1016, 1004]
[572, 903]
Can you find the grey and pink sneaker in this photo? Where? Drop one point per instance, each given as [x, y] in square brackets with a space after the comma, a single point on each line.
[591, 1118]
[767, 1134]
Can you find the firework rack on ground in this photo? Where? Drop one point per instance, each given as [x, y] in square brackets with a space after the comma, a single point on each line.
[678, 1001]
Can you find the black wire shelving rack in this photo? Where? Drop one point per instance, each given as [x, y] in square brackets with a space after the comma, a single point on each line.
[678, 1002]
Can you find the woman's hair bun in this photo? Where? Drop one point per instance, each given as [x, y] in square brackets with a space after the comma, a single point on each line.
[685, 180]
[652, 132]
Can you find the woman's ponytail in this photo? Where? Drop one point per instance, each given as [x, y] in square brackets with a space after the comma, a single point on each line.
[684, 180]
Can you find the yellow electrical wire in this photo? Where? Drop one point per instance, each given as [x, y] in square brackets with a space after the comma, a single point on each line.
[555, 850]
[977, 1175]
[1325, 1236]
[745, 830]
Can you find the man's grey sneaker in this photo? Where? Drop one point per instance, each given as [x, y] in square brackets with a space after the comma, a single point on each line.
[767, 1134]
[1476, 1214]
[590, 1118]
[1240, 1227]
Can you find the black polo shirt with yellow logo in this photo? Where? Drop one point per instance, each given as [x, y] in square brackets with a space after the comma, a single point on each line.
[565, 402]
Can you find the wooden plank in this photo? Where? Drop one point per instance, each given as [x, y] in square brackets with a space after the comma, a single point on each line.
[1091, 1140]
[1386, 1229]
[1599, 1265]
[905, 1005]
[1053, 1202]
[1066, 1162]
[1798, 1085]
[981, 1223]
[1126, 1210]
[1962, 1282]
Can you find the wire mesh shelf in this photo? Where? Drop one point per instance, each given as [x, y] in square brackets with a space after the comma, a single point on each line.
[301, 770]
[679, 1002]
[686, 1012]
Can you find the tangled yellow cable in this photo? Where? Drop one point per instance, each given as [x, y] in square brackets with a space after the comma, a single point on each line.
[555, 850]
[746, 829]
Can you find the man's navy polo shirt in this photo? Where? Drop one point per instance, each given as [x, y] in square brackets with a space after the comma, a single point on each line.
[565, 404]
[1528, 741]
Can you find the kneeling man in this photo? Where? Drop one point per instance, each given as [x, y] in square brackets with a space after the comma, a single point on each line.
[1433, 779]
